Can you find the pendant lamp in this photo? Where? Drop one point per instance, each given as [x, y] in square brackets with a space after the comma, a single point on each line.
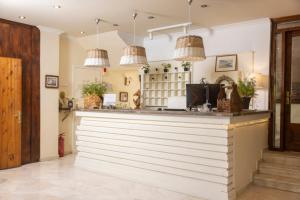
[97, 57]
[134, 55]
[189, 47]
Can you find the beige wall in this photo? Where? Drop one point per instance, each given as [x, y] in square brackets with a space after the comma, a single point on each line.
[249, 36]
[73, 75]
[116, 78]
[49, 97]
[71, 54]
[249, 143]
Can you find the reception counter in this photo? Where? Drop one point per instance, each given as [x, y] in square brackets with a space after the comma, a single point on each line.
[206, 155]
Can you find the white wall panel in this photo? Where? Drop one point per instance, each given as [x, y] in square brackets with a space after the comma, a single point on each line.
[192, 154]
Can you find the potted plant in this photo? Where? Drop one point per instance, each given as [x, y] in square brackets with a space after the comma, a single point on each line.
[146, 68]
[93, 94]
[186, 66]
[246, 89]
[166, 67]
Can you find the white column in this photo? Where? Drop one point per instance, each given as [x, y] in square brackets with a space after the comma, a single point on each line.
[49, 65]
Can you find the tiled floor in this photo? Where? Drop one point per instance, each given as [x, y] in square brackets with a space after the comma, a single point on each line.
[60, 180]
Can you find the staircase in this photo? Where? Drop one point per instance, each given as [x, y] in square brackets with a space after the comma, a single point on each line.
[280, 170]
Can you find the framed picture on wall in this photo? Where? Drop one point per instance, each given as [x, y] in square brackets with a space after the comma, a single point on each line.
[51, 81]
[226, 63]
[123, 96]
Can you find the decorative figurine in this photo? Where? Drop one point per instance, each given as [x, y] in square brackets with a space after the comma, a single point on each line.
[235, 100]
[221, 101]
[137, 101]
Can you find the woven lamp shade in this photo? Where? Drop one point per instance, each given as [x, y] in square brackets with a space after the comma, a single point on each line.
[189, 48]
[97, 58]
[134, 55]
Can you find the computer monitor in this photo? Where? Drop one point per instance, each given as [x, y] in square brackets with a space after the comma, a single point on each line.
[109, 99]
[196, 94]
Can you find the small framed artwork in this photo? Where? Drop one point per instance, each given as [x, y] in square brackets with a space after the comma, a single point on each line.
[124, 96]
[51, 81]
[226, 63]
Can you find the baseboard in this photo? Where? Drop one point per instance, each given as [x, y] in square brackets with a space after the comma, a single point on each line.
[68, 153]
[49, 158]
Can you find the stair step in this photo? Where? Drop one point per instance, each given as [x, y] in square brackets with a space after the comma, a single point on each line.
[278, 182]
[283, 158]
[279, 170]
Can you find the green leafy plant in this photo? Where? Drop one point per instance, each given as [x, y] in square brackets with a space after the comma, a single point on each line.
[94, 89]
[186, 65]
[246, 87]
[166, 66]
[146, 68]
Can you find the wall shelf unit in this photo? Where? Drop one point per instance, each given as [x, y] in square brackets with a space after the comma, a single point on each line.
[158, 86]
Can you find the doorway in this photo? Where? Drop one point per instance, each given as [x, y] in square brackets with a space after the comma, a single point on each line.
[285, 85]
[292, 90]
[23, 41]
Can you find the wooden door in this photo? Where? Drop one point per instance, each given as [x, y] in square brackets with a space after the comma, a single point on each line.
[23, 41]
[292, 92]
[10, 112]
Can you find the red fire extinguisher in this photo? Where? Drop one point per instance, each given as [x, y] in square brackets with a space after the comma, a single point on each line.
[61, 145]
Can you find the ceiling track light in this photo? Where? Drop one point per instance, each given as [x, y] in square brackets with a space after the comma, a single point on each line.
[22, 17]
[184, 27]
[110, 23]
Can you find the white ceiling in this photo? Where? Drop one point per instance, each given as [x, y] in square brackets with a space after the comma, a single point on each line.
[75, 16]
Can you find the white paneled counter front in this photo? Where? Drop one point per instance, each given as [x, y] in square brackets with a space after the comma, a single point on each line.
[211, 156]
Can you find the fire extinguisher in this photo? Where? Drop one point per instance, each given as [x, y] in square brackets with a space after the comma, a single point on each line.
[61, 145]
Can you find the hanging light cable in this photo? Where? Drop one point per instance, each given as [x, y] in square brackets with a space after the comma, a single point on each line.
[189, 47]
[97, 57]
[133, 54]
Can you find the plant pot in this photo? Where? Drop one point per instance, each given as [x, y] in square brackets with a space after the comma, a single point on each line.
[186, 69]
[146, 71]
[166, 70]
[92, 102]
[246, 102]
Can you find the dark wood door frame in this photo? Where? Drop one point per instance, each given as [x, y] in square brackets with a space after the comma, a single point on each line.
[274, 31]
[23, 41]
[290, 136]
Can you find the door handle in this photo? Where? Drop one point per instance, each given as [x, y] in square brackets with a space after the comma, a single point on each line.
[19, 116]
